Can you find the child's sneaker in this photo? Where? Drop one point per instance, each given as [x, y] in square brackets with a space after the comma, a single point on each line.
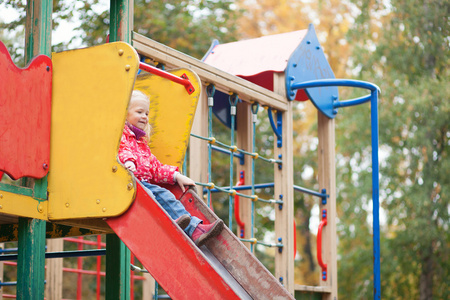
[203, 233]
[183, 221]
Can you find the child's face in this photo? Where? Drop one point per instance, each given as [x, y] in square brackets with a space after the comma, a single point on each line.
[138, 113]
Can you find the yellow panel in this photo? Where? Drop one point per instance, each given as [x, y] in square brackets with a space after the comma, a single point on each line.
[172, 112]
[91, 91]
[22, 206]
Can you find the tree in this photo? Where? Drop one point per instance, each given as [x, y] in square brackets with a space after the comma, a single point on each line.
[402, 47]
[186, 25]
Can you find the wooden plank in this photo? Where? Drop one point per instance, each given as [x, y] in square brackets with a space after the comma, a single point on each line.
[85, 178]
[327, 180]
[172, 111]
[284, 182]
[245, 268]
[316, 289]
[244, 141]
[54, 274]
[223, 81]
[198, 149]
[25, 92]
[148, 286]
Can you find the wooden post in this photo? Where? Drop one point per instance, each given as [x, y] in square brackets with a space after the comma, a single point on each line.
[327, 180]
[284, 190]
[54, 276]
[31, 235]
[148, 287]
[198, 149]
[244, 141]
[117, 254]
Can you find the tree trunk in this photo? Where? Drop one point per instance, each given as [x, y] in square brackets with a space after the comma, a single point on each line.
[426, 277]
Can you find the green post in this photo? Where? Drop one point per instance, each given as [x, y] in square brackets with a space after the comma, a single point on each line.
[31, 259]
[117, 254]
[31, 252]
[117, 269]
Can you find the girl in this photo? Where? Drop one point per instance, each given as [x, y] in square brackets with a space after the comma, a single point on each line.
[135, 154]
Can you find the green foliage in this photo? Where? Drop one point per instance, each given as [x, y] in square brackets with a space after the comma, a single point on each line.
[404, 49]
[187, 25]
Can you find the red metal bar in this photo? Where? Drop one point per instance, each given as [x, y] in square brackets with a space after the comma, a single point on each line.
[183, 80]
[85, 242]
[237, 215]
[80, 267]
[99, 265]
[319, 245]
[295, 239]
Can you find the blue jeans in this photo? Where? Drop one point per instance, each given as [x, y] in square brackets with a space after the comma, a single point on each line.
[171, 205]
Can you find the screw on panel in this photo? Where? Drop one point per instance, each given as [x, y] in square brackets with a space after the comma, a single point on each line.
[130, 186]
[104, 209]
[45, 166]
[67, 204]
[97, 201]
[120, 52]
[127, 68]
[114, 169]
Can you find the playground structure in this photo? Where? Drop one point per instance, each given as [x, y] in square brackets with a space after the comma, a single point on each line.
[73, 156]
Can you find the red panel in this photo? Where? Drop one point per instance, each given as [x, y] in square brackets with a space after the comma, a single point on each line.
[25, 116]
[167, 253]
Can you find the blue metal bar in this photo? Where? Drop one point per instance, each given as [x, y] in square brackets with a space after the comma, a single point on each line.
[233, 99]
[81, 253]
[335, 82]
[375, 195]
[340, 82]
[210, 90]
[9, 250]
[246, 187]
[374, 89]
[352, 102]
[9, 283]
[310, 192]
[239, 155]
[276, 128]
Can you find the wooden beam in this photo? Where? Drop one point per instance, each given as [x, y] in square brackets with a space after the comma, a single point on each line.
[284, 190]
[327, 180]
[54, 274]
[244, 141]
[223, 81]
[198, 149]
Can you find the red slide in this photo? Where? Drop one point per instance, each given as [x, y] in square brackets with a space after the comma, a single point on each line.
[222, 269]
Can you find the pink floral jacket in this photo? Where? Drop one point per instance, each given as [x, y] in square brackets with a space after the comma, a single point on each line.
[148, 167]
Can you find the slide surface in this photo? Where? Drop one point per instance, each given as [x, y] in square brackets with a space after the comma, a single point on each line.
[222, 269]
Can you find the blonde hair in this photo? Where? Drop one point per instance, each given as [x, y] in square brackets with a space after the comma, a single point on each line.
[138, 95]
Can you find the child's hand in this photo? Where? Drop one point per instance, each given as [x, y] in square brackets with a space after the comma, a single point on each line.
[184, 181]
[130, 165]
